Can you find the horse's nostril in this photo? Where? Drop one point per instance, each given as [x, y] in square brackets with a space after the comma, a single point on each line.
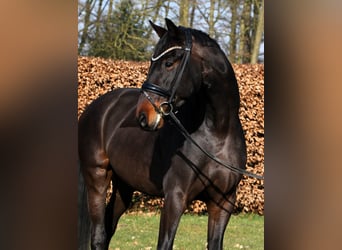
[142, 120]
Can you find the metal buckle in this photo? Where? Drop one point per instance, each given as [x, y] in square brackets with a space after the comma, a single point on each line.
[165, 108]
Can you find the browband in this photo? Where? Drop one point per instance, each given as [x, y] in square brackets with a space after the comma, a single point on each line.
[153, 59]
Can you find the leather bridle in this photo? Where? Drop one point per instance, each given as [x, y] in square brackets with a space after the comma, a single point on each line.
[166, 108]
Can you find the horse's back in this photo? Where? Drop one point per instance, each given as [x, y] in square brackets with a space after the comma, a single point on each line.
[104, 103]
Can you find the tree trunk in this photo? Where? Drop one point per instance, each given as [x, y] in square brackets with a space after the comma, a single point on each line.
[258, 34]
[167, 9]
[232, 35]
[98, 19]
[84, 35]
[192, 15]
[184, 13]
[155, 16]
[211, 19]
[157, 9]
[244, 43]
[110, 12]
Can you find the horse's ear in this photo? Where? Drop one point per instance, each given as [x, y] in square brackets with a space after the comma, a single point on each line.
[159, 30]
[171, 27]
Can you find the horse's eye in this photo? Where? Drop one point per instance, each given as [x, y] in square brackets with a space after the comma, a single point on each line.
[168, 64]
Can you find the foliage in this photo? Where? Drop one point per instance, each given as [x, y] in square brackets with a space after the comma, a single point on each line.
[119, 29]
[120, 36]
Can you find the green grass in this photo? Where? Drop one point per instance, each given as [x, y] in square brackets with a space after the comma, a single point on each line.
[141, 232]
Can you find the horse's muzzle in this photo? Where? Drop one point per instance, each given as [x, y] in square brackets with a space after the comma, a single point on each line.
[152, 126]
[148, 118]
[142, 119]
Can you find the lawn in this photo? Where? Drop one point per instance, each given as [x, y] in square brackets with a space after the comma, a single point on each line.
[244, 231]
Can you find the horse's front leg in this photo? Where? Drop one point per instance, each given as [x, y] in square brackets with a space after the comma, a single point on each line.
[97, 179]
[174, 206]
[219, 211]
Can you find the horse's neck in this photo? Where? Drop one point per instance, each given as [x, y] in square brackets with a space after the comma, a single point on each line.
[222, 103]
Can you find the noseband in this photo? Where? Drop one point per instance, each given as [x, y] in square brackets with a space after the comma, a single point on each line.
[166, 108]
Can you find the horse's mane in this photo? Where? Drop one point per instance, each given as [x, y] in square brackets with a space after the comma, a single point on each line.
[204, 39]
[219, 63]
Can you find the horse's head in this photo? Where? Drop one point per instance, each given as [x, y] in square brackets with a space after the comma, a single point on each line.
[173, 76]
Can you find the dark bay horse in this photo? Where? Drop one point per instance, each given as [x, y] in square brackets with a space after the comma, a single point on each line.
[134, 138]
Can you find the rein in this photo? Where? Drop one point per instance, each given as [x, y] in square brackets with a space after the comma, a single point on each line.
[166, 108]
[187, 136]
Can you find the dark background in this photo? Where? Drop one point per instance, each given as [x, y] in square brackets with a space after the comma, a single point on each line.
[38, 125]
